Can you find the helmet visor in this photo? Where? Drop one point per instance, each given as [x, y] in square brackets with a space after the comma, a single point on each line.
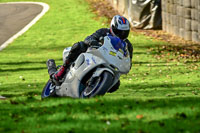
[122, 34]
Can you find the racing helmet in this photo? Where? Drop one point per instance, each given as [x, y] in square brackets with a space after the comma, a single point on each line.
[120, 27]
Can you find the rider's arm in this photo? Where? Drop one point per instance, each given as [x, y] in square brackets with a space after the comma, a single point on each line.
[94, 38]
[130, 49]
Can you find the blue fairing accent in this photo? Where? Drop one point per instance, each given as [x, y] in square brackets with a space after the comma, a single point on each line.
[47, 90]
[117, 44]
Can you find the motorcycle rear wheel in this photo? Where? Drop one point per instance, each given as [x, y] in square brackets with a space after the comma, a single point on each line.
[99, 85]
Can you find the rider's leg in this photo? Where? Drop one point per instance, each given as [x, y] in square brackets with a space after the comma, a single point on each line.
[75, 51]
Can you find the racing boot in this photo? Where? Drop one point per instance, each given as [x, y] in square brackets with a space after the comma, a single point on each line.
[51, 65]
[58, 75]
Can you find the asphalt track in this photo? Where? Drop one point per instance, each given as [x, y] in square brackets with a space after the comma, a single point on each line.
[16, 16]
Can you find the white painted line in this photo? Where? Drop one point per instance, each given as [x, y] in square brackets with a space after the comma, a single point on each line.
[45, 9]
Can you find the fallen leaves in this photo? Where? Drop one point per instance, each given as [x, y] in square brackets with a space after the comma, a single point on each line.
[103, 8]
[178, 52]
[139, 116]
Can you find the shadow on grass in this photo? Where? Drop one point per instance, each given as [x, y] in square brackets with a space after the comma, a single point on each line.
[144, 62]
[160, 85]
[157, 64]
[23, 63]
[16, 90]
[22, 69]
[100, 114]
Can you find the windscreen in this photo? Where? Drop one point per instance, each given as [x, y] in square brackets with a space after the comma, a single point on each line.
[118, 44]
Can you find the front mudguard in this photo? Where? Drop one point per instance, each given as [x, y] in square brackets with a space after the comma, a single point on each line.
[99, 71]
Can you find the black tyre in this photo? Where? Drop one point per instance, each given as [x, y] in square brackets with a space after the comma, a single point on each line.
[99, 85]
[48, 90]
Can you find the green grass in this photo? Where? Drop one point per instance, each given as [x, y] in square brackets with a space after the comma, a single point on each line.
[160, 94]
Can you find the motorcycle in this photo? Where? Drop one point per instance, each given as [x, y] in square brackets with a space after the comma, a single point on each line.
[94, 72]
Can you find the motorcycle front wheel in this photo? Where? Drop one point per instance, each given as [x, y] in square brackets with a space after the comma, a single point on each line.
[98, 86]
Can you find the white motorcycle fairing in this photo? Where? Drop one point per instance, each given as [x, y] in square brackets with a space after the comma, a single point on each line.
[85, 62]
[112, 57]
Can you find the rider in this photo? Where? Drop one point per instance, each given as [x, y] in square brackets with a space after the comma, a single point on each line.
[119, 27]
